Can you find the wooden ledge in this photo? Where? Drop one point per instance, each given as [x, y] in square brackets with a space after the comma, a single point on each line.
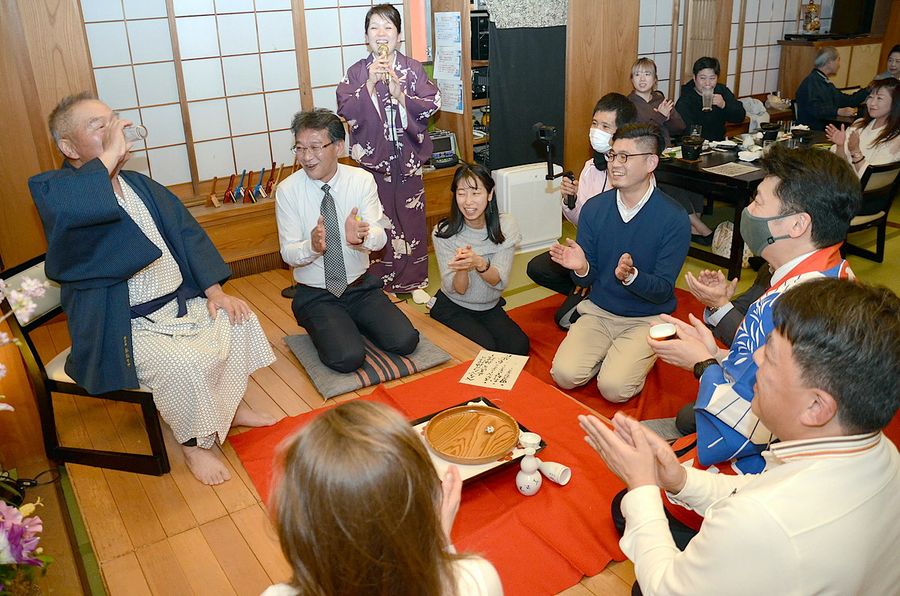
[205, 214]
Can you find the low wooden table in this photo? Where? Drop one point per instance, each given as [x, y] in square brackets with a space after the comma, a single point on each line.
[738, 191]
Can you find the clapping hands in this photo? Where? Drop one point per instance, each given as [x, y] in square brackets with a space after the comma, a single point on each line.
[571, 256]
[634, 453]
[355, 228]
[711, 287]
[465, 259]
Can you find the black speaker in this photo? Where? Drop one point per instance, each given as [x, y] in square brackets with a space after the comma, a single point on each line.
[480, 37]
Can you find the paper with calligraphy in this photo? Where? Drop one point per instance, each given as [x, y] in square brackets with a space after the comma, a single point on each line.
[496, 370]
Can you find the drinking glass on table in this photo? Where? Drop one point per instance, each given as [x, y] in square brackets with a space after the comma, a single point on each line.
[707, 94]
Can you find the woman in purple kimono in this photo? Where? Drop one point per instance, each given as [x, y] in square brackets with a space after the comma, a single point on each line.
[387, 99]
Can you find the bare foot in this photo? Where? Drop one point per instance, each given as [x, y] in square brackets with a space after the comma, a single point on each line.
[244, 416]
[205, 466]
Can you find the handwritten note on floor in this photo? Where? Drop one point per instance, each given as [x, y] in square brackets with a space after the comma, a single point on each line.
[496, 370]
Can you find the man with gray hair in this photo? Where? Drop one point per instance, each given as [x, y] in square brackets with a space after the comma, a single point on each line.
[141, 287]
[818, 101]
[329, 220]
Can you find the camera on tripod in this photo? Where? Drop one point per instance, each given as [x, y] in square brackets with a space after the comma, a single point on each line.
[545, 134]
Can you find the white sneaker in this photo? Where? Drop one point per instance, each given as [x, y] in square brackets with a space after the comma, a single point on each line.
[420, 296]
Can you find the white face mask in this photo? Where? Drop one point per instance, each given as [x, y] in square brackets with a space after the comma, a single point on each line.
[600, 140]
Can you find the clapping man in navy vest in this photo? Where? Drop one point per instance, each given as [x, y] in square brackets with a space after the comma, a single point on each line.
[631, 243]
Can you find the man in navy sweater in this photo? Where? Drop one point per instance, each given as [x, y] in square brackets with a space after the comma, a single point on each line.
[631, 244]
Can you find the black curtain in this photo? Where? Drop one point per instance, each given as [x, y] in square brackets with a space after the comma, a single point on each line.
[527, 85]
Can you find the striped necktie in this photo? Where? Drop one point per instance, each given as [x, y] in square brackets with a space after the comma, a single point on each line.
[335, 272]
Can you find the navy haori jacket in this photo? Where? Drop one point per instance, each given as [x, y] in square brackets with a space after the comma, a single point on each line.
[94, 247]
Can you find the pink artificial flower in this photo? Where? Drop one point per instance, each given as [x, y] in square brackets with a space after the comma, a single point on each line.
[18, 536]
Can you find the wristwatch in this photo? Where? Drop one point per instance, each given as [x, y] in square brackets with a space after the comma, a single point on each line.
[700, 367]
[486, 267]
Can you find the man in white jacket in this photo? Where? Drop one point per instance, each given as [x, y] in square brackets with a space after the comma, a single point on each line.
[824, 517]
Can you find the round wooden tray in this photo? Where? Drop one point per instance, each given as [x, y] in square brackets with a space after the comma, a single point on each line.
[463, 434]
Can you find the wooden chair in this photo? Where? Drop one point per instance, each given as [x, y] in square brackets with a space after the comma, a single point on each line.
[47, 378]
[880, 185]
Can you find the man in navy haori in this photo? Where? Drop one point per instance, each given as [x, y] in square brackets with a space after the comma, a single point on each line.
[141, 287]
[631, 244]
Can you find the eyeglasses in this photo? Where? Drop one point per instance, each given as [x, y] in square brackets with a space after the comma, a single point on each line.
[315, 150]
[612, 156]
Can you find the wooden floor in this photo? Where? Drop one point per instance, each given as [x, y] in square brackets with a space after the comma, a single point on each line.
[173, 535]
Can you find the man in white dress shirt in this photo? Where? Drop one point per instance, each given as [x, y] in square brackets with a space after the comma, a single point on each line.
[329, 220]
[824, 517]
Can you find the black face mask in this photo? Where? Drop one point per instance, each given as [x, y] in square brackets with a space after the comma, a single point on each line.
[600, 161]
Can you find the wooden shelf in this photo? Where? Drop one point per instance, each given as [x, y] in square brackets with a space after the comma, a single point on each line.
[480, 103]
[476, 63]
[481, 141]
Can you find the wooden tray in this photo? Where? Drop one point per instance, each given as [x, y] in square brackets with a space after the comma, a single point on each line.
[472, 434]
[471, 472]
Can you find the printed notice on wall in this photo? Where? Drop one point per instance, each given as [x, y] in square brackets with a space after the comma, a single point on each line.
[496, 370]
[451, 95]
[448, 60]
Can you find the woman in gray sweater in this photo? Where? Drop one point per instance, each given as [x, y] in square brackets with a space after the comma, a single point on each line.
[474, 248]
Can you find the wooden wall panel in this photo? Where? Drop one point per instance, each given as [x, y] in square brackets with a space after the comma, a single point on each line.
[891, 34]
[708, 33]
[601, 45]
[43, 57]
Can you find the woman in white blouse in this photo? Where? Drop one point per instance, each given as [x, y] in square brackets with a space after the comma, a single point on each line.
[875, 139]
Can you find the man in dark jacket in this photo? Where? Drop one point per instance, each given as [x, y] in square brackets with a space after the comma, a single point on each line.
[818, 101]
[725, 107]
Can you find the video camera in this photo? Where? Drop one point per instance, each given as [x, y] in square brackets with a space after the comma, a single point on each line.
[545, 134]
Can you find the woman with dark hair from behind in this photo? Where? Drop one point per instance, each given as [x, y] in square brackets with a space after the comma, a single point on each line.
[474, 248]
[875, 139]
[360, 511]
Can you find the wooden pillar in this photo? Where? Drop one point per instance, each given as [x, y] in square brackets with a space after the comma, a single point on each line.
[891, 34]
[43, 57]
[601, 45]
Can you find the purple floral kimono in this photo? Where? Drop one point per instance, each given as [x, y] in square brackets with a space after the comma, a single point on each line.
[392, 143]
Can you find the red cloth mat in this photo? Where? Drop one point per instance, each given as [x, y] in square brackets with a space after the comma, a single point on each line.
[539, 545]
[667, 388]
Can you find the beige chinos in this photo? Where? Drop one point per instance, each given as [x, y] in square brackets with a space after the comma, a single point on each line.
[612, 347]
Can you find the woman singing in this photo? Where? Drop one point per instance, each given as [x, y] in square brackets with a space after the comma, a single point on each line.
[387, 99]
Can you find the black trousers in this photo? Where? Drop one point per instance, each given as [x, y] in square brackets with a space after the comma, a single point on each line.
[681, 534]
[491, 329]
[337, 325]
[547, 273]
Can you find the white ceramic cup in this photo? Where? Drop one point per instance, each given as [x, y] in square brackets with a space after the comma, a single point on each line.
[530, 440]
[558, 473]
[663, 331]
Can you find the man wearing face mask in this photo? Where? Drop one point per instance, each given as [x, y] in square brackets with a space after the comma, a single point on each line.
[797, 223]
[611, 112]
